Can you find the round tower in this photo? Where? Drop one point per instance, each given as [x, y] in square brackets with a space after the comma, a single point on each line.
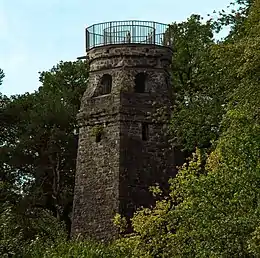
[122, 147]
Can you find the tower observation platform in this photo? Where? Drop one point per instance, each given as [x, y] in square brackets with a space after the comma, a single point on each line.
[126, 32]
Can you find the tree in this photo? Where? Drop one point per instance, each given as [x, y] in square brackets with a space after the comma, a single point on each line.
[201, 82]
[2, 75]
[234, 17]
[41, 140]
[199, 95]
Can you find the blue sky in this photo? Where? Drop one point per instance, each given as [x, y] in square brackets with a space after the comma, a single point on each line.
[37, 34]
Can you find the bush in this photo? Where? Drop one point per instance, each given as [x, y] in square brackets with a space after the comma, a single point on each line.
[86, 249]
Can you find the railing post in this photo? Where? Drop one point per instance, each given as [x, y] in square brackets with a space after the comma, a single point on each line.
[154, 32]
[87, 39]
[133, 32]
[110, 33]
[94, 36]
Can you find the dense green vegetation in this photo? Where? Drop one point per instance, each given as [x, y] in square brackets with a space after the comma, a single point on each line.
[37, 157]
[213, 206]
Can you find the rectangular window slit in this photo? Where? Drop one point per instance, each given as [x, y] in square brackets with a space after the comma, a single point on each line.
[144, 131]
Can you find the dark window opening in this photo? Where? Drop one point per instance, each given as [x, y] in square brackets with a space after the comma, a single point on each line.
[106, 84]
[167, 81]
[140, 82]
[144, 132]
[98, 137]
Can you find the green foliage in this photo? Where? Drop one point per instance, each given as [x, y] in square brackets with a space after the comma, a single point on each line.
[120, 222]
[205, 75]
[199, 95]
[20, 227]
[97, 130]
[2, 75]
[43, 145]
[38, 154]
[63, 249]
[234, 17]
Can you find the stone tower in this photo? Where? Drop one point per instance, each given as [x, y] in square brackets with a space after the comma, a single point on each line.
[122, 148]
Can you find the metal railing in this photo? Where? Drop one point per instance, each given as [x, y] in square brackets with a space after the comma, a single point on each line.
[126, 32]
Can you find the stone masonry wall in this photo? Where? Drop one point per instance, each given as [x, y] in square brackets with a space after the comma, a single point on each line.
[113, 174]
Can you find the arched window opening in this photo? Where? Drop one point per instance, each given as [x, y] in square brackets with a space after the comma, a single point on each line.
[106, 84]
[140, 82]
